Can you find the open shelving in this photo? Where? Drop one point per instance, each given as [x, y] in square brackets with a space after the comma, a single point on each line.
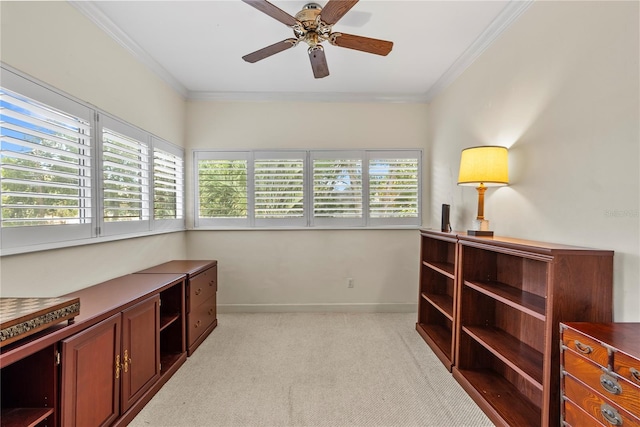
[29, 395]
[172, 328]
[436, 303]
[512, 295]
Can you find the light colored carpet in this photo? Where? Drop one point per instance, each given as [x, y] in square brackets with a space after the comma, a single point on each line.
[312, 369]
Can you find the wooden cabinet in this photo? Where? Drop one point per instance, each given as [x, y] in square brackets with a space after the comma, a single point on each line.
[437, 293]
[600, 366]
[108, 367]
[513, 295]
[91, 370]
[127, 341]
[201, 291]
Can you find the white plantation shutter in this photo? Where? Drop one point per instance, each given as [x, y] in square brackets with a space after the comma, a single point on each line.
[125, 178]
[222, 185]
[45, 165]
[279, 181]
[308, 188]
[337, 188]
[168, 185]
[394, 196]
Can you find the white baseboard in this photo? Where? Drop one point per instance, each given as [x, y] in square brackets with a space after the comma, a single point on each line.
[320, 308]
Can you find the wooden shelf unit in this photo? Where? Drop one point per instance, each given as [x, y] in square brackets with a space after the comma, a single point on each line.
[437, 293]
[512, 296]
[44, 376]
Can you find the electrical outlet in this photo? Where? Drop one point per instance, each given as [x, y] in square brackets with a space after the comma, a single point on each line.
[350, 282]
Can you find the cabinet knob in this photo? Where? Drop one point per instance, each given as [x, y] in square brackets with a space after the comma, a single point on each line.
[212, 282]
[211, 311]
[635, 375]
[582, 348]
[197, 324]
[198, 291]
[610, 384]
[610, 414]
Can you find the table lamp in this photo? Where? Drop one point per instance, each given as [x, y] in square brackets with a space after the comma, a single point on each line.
[484, 166]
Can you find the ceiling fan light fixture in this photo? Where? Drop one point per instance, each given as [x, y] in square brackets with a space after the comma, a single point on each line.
[311, 27]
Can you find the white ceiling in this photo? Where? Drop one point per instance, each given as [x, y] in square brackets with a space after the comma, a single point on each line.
[197, 46]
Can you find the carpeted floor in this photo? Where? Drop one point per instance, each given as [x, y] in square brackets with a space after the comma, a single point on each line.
[312, 369]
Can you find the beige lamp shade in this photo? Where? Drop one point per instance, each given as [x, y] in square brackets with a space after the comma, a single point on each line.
[486, 165]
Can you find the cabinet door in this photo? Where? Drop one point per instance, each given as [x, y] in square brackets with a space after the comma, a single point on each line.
[140, 349]
[91, 375]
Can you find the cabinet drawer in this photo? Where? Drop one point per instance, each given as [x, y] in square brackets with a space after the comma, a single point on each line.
[627, 367]
[202, 286]
[200, 318]
[599, 408]
[617, 389]
[576, 417]
[586, 347]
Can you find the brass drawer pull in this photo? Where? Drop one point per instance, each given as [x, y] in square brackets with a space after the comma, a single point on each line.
[582, 348]
[610, 414]
[610, 384]
[635, 374]
[198, 291]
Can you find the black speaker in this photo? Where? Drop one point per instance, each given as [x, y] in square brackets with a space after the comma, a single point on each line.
[445, 226]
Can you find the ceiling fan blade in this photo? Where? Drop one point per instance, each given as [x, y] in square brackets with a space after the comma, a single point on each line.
[364, 44]
[336, 9]
[266, 52]
[273, 11]
[318, 62]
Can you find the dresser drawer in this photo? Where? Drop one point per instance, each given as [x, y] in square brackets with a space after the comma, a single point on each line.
[202, 286]
[200, 318]
[600, 408]
[576, 417]
[627, 367]
[586, 347]
[617, 389]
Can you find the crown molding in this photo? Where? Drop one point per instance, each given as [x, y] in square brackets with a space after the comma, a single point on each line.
[507, 16]
[337, 97]
[112, 30]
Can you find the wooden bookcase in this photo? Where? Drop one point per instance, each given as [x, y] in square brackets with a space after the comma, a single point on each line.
[436, 307]
[512, 296]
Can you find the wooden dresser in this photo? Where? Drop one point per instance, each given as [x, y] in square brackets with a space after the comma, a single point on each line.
[600, 374]
[202, 286]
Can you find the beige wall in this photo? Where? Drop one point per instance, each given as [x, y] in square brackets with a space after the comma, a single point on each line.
[560, 88]
[53, 42]
[308, 269]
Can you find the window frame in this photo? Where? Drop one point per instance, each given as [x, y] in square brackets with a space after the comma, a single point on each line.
[15, 237]
[25, 239]
[311, 222]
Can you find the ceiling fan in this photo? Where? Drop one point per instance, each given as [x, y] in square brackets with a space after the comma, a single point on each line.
[313, 25]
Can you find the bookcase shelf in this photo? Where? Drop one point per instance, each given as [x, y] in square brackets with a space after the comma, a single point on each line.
[490, 309]
[436, 311]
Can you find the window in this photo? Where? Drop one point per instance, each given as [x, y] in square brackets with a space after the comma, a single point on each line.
[168, 185]
[278, 188]
[45, 166]
[393, 188]
[315, 188]
[337, 188]
[70, 173]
